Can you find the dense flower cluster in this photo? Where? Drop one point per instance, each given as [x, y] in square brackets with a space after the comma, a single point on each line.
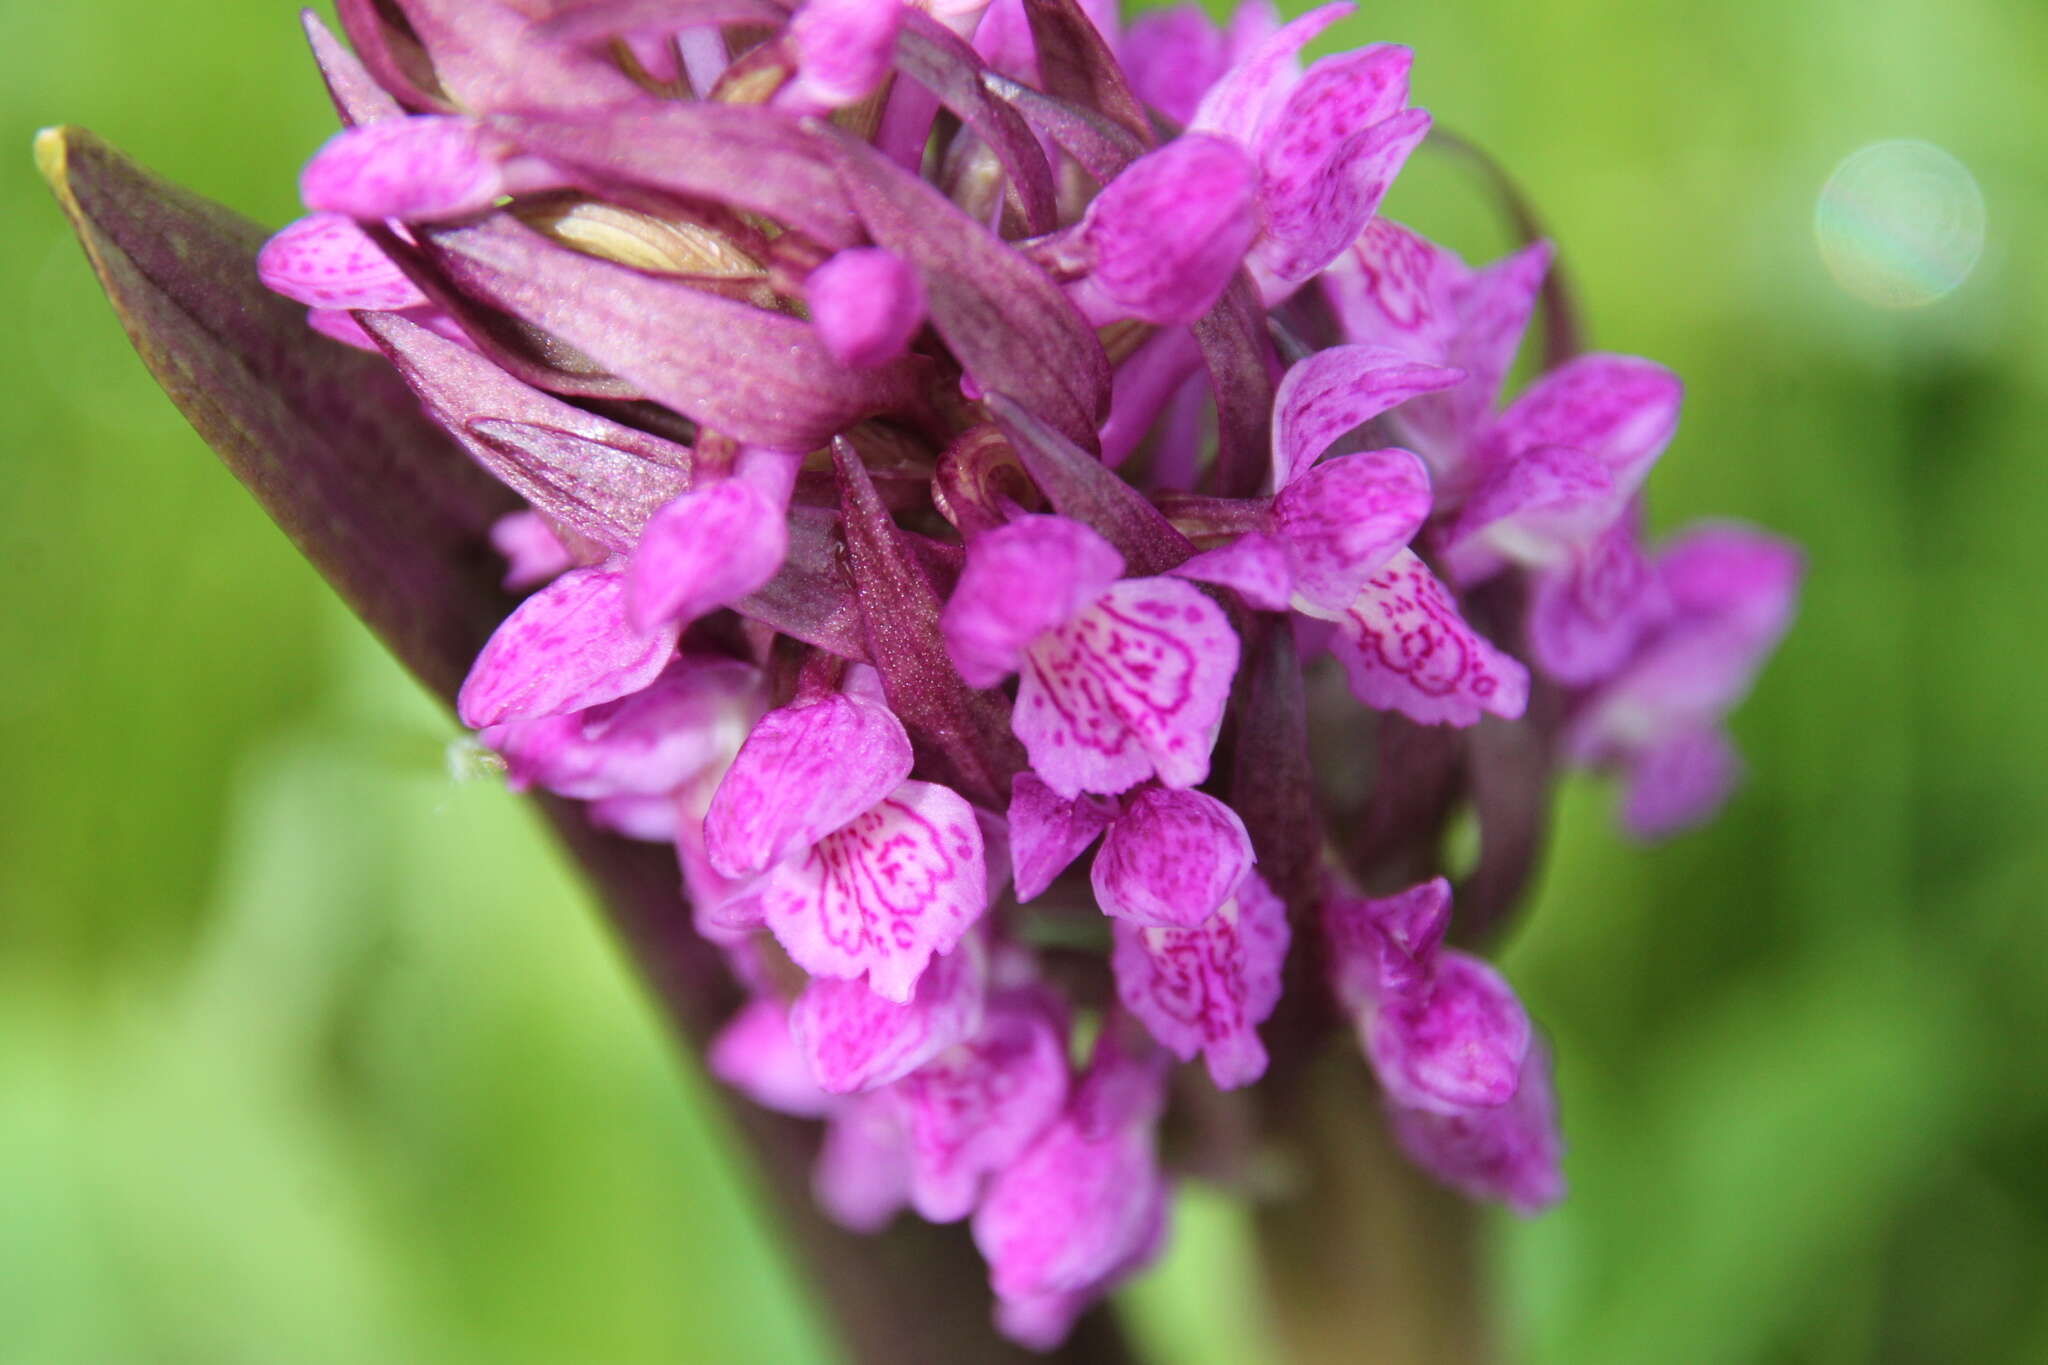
[958, 435]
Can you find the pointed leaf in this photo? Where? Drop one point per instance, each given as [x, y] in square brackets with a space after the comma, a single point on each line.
[1082, 488]
[932, 55]
[1076, 65]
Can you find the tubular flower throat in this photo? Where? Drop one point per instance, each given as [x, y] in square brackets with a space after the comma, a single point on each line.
[955, 436]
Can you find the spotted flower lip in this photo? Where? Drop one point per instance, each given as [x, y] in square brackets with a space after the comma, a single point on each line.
[935, 442]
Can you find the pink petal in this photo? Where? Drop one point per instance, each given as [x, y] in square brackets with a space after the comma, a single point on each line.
[853, 1039]
[1405, 648]
[684, 724]
[900, 883]
[1173, 56]
[1395, 289]
[1132, 687]
[567, 647]
[1534, 509]
[1021, 581]
[326, 261]
[1255, 566]
[1345, 518]
[422, 168]
[1733, 574]
[1207, 989]
[1493, 307]
[1386, 949]
[805, 771]
[533, 552]
[1616, 407]
[866, 304]
[863, 1173]
[1678, 783]
[1586, 617]
[1251, 93]
[1511, 1153]
[1172, 858]
[1335, 390]
[1456, 1045]
[1040, 1322]
[843, 49]
[1168, 234]
[974, 1109]
[756, 1055]
[1047, 832]
[706, 549]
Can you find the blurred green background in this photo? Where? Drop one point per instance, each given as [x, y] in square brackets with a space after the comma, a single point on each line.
[310, 1052]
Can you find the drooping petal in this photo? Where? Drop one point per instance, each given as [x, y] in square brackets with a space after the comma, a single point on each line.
[756, 1055]
[1172, 858]
[1385, 949]
[1168, 234]
[881, 895]
[1333, 391]
[866, 304]
[805, 771]
[1132, 687]
[1021, 581]
[1492, 307]
[1618, 408]
[326, 261]
[862, 1179]
[1405, 648]
[1678, 782]
[1345, 518]
[1535, 509]
[1456, 1044]
[1040, 1322]
[1207, 988]
[1047, 832]
[1255, 566]
[974, 1109]
[706, 549]
[1395, 289]
[1511, 1153]
[854, 1039]
[567, 647]
[1586, 616]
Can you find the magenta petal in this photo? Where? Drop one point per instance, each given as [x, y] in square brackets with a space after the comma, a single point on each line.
[1207, 988]
[1133, 687]
[1342, 520]
[866, 304]
[1511, 1153]
[974, 1109]
[426, 167]
[843, 48]
[1168, 234]
[1047, 832]
[1493, 307]
[1022, 580]
[1386, 949]
[1678, 783]
[862, 1179]
[853, 1039]
[1173, 57]
[1616, 407]
[1250, 95]
[326, 261]
[533, 552]
[1456, 1045]
[1535, 509]
[356, 94]
[1255, 566]
[880, 896]
[806, 770]
[1332, 391]
[1396, 289]
[707, 549]
[1405, 648]
[566, 647]
[755, 1054]
[1172, 858]
[1586, 617]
